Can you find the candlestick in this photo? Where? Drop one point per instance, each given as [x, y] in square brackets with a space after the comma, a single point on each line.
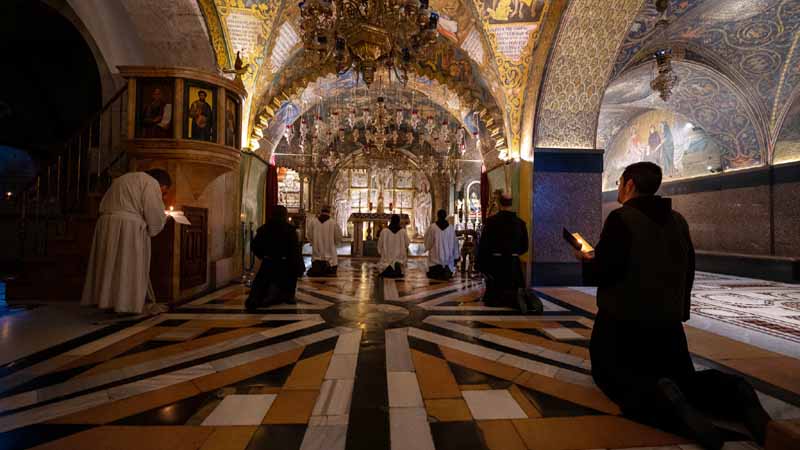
[252, 255]
[244, 273]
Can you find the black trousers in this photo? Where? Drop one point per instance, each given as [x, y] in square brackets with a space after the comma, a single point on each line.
[439, 272]
[630, 357]
[275, 282]
[503, 278]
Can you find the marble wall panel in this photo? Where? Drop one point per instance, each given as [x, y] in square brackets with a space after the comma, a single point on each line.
[738, 220]
[570, 200]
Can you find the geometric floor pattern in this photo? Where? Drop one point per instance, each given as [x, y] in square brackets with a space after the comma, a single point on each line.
[358, 363]
[768, 307]
[762, 312]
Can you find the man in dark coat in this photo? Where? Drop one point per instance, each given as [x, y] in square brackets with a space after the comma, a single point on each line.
[644, 267]
[503, 240]
[277, 246]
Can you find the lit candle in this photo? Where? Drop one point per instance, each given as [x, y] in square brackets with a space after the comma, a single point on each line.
[171, 208]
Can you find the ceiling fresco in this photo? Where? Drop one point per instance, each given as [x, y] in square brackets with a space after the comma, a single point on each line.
[752, 42]
[415, 122]
[485, 47]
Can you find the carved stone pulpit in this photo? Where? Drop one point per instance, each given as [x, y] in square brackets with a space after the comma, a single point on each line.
[188, 122]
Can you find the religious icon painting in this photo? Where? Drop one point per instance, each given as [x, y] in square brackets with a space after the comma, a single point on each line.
[200, 112]
[513, 11]
[154, 100]
[232, 120]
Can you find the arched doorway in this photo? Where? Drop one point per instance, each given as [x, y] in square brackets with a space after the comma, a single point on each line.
[54, 85]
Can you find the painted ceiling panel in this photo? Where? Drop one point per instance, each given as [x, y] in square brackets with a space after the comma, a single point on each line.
[753, 41]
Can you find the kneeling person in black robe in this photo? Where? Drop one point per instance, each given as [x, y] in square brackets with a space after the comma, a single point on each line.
[277, 246]
[644, 268]
[503, 240]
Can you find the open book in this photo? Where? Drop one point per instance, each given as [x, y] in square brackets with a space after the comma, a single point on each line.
[577, 242]
[178, 216]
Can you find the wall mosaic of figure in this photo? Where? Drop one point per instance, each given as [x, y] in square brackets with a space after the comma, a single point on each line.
[670, 140]
[705, 97]
[579, 68]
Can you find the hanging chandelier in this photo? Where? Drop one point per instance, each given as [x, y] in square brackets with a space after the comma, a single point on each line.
[367, 34]
[664, 80]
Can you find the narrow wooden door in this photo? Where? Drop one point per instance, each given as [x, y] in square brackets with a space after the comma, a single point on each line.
[194, 247]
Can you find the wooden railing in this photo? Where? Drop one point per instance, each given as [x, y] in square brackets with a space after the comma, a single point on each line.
[83, 167]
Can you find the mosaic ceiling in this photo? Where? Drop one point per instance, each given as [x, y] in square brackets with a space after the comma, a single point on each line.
[751, 44]
[484, 52]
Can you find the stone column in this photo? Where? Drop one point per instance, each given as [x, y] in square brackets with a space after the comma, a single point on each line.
[567, 192]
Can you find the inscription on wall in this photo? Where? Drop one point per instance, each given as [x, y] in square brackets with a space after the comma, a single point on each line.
[512, 39]
[244, 30]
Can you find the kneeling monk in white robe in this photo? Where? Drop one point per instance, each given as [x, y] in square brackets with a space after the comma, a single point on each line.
[324, 234]
[442, 246]
[131, 212]
[393, 248]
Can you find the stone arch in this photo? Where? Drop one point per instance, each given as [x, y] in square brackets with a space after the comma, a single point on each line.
[300, 72]
[786, 139]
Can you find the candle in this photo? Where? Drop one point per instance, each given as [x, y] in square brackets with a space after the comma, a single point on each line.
[171, 208]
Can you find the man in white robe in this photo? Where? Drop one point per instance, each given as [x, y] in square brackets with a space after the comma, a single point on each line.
[393, 248]
[442, 246]
[324, 234]
[131, 212]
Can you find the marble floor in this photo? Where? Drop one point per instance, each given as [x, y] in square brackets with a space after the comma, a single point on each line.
[359, 363]
[759, 312]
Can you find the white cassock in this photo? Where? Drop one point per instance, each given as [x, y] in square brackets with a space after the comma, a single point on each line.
[442, 246]
[323, 238]
[131, 212]
[393, 247]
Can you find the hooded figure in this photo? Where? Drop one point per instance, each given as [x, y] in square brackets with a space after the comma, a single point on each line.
[442, 246]
[393, 248]
[324, 234]
[277, 246]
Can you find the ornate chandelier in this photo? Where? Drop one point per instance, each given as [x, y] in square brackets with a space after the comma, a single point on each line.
[377, 136]
[366, 34]
[665, 80]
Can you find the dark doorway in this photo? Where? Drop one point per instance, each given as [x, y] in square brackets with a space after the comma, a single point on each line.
[50, 84]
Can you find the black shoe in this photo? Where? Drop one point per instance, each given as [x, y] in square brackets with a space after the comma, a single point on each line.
[522, 303]
[697, 426]
[754, 416]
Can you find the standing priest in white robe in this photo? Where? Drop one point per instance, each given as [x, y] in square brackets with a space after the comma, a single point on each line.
[131, 212]
[393, 248]
[442, 246]
[324, 234]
